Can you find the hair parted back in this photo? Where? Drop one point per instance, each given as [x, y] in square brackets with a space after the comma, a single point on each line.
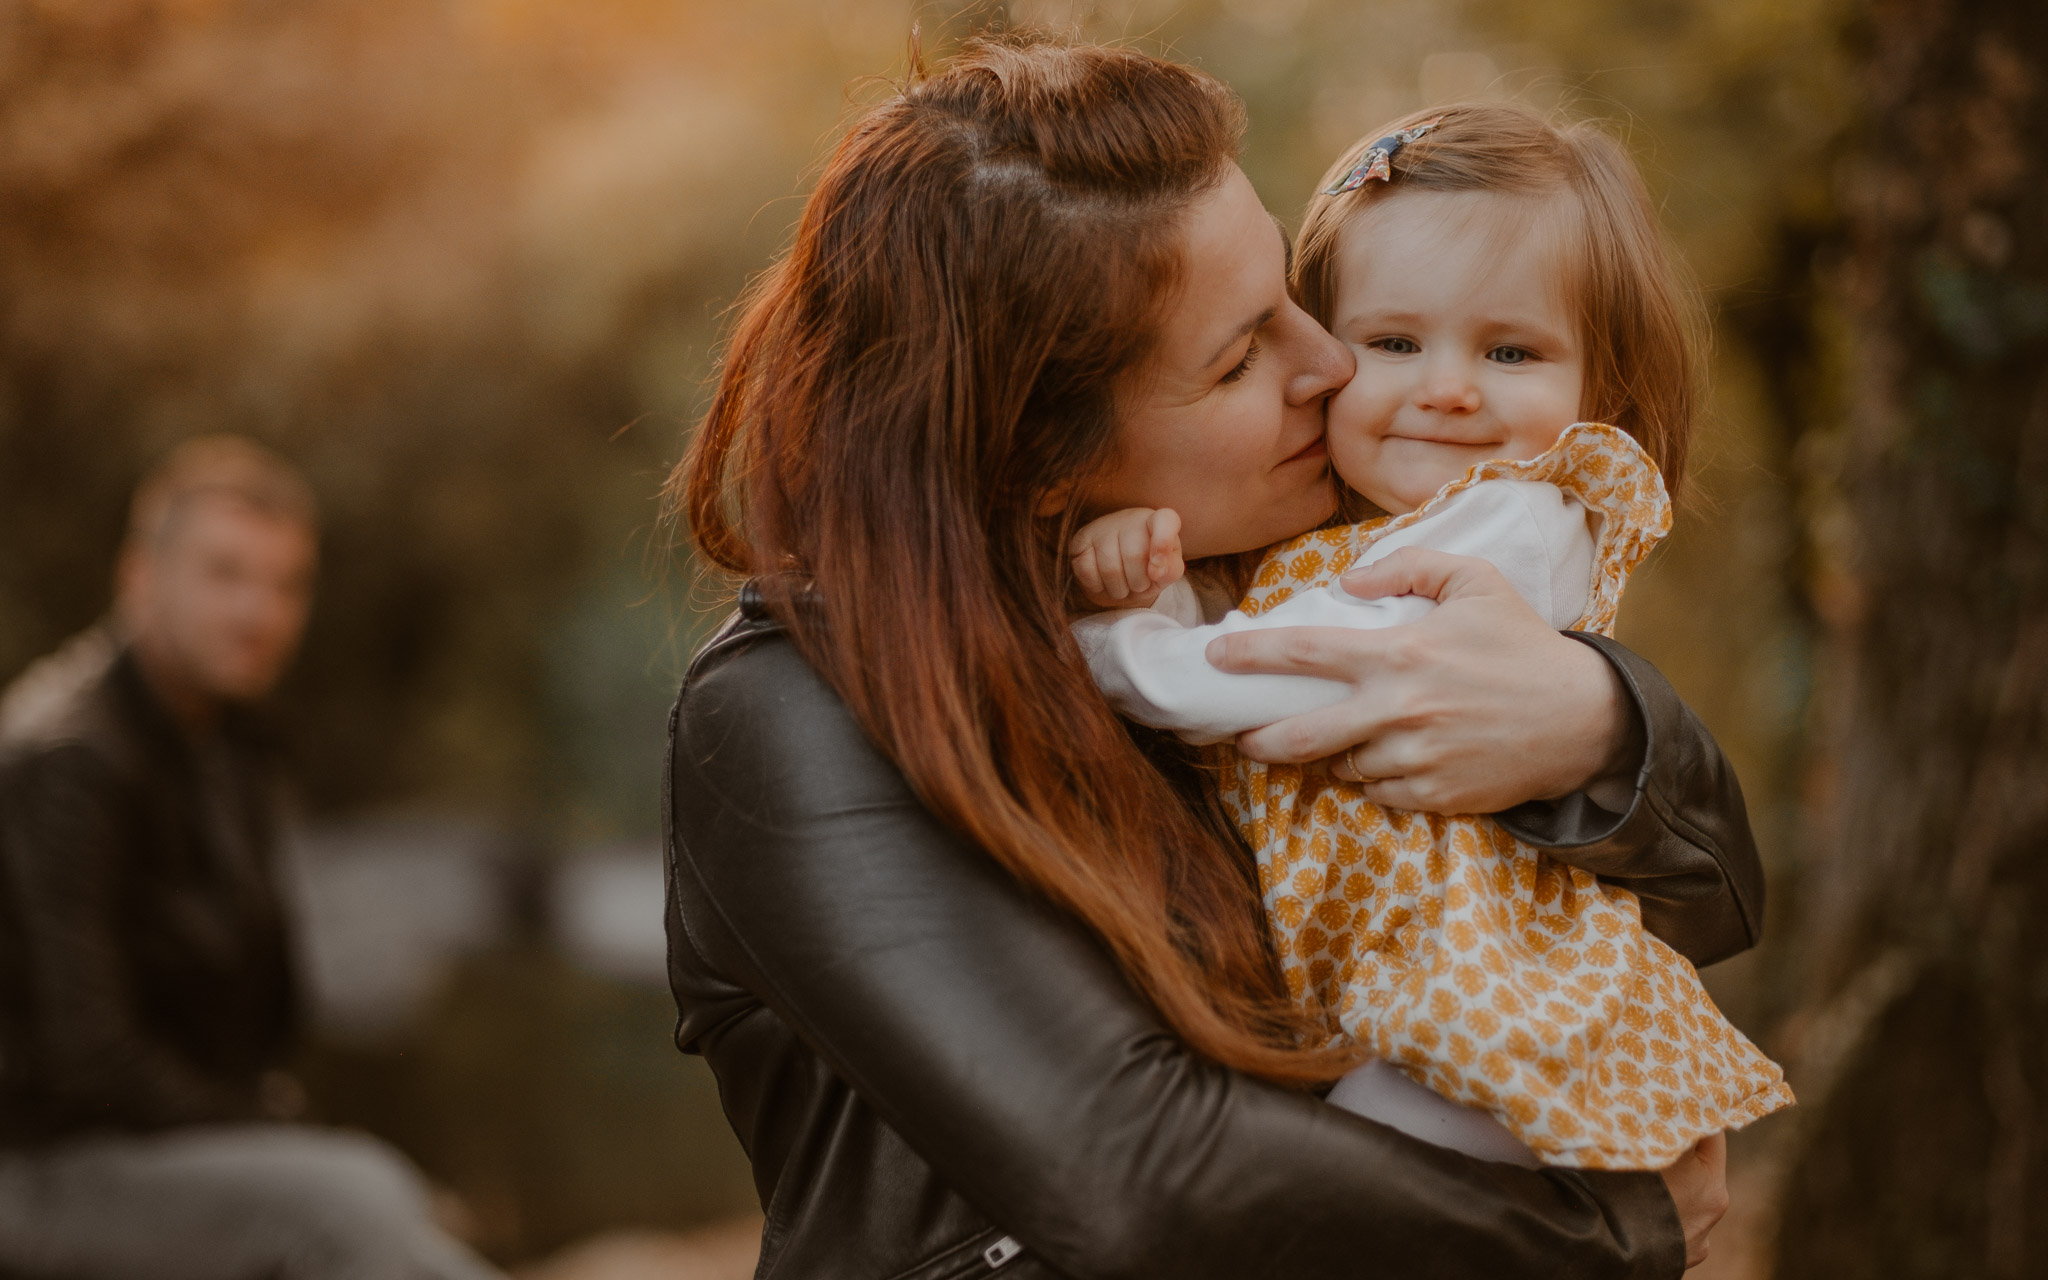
[934, 363]
[1640, 319]
[218, 466]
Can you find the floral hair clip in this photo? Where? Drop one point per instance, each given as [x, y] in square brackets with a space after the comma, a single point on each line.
[1378, 160]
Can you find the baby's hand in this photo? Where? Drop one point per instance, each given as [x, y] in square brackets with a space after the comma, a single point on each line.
[1125, 559]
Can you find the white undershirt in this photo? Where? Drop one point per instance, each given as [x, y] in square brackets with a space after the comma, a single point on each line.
[1152, 665]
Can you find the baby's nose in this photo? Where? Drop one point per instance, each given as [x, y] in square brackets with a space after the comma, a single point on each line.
[1448, 389]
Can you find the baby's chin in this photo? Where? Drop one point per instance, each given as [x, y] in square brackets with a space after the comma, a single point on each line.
[1398, 480]
[1398, 495]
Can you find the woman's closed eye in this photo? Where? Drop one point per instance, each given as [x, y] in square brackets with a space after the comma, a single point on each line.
[1244, 366]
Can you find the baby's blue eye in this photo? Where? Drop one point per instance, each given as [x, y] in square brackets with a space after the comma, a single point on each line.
[1397, 346]
[1509, 355]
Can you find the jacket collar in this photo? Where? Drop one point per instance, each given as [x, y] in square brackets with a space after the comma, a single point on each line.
[239, 725]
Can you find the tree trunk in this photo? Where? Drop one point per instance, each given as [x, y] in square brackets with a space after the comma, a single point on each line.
[1921, 913]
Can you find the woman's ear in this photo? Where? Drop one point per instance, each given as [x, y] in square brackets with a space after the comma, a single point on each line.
[1053, 501]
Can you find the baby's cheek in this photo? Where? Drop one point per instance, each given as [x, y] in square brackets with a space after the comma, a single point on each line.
[1354, 456]
[1355, 427]
[1372, 470]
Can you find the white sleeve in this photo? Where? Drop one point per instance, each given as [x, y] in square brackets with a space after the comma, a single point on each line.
[1152, 663]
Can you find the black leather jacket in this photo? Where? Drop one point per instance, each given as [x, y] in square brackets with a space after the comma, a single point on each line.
[145, 971]
[937, 1075]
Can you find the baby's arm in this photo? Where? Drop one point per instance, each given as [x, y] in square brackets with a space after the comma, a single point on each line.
[1156, 670]
[1125, 559]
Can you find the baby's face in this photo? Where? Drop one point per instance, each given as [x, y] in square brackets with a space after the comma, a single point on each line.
[1454, 303]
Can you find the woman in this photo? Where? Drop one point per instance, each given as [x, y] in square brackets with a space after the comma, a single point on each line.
[980, 970]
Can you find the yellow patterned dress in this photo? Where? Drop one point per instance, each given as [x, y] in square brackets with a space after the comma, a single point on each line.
[1487, 970]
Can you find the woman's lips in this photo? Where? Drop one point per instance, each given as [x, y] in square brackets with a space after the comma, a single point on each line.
[1316, 448]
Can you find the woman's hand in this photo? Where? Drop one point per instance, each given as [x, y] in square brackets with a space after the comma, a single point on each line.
[1698, 1183]
[1476, 708]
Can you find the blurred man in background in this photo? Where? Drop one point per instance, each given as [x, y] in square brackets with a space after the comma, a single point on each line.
[146, 988]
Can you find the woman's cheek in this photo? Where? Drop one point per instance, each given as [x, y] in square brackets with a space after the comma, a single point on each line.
[1241, 439]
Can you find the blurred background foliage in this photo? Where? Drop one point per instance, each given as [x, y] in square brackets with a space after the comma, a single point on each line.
[466, 261]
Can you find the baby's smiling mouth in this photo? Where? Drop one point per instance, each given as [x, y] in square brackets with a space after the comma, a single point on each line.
[1446, 442]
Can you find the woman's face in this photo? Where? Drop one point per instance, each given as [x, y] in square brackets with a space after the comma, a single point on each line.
[1225, 423]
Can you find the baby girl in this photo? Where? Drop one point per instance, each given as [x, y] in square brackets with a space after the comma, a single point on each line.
[1524, 370]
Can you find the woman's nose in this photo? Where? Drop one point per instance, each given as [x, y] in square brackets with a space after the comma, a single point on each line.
[1318, 363]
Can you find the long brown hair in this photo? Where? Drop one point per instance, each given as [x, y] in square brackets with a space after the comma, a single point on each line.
[1639, 315]
[932, 366]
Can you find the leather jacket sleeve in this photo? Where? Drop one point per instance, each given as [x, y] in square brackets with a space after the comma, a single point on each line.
[1683, 844]
[994, 1034]
[61, 830]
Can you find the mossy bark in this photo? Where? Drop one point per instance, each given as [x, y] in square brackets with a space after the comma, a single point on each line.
[1922, 899]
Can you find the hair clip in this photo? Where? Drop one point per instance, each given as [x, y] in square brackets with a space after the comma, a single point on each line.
[1378, 160]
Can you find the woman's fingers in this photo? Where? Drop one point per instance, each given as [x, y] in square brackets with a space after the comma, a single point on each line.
[1334, 653]
[1358, 721]
[1389, 754]
[1388, 790]
[1395, 793]
[1478, 706]
[1698, 1183]
[1412, 571]
[1362, 720]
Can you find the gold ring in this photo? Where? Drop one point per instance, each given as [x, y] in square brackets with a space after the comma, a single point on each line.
[1363, 781]
[1357, 774]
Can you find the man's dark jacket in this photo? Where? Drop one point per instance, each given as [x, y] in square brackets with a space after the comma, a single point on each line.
[939, 1076]
[145, 980]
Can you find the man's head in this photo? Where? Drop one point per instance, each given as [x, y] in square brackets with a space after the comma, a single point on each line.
[216, 577]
